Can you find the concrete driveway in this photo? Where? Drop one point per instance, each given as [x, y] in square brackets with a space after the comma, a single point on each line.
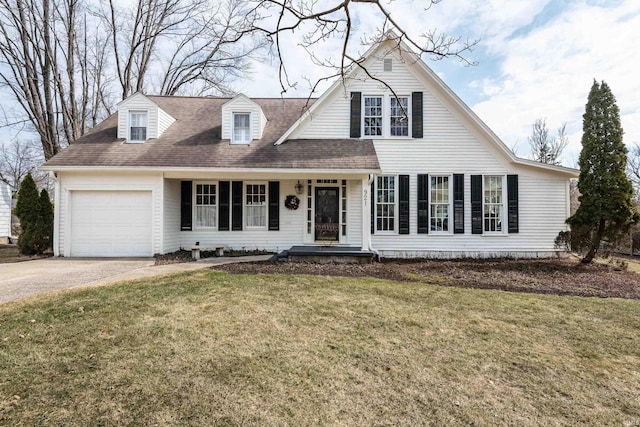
[24, 279]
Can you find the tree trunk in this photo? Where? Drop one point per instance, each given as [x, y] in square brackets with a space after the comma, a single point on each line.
[595, 244]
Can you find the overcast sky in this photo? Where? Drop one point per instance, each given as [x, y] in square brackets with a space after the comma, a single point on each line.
[536, 59]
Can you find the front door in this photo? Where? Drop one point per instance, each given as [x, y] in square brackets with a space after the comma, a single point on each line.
[327, 214]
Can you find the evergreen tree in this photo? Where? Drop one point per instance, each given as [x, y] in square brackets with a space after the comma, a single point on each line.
[27, 208]
[36, 218]
[606, 209]
[46, 216]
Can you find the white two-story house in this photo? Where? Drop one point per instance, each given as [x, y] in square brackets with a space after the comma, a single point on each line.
[407, 172]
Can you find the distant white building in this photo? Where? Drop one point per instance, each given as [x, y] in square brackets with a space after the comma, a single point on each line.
[5, 213]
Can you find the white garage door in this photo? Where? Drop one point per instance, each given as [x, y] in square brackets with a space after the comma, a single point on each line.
[111, 223]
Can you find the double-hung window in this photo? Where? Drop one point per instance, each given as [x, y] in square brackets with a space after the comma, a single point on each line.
[373, 114]
[493, 208]
[241, 128]
[137, 126]
[256, 205]
[386, 203]
[206, 214]
[386, 115]
[439, 204]
[399, 116]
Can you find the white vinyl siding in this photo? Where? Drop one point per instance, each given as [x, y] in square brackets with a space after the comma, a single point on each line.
[158, 120]
[5, 210]
[171, 215]
[242, 104]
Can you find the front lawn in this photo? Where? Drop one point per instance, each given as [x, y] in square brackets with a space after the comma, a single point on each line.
[210, 348]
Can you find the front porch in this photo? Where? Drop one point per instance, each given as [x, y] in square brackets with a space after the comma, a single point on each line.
[270, 212]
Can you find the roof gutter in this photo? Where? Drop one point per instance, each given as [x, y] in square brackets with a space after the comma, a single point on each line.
[285, 171]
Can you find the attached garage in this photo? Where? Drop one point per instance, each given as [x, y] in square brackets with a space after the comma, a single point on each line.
[111, 224]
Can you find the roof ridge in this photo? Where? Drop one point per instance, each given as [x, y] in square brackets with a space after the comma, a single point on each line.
[224, 97]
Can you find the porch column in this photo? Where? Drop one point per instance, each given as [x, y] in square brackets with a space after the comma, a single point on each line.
[366, 214]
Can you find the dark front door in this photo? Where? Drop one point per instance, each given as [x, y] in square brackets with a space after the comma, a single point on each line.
[327, 214]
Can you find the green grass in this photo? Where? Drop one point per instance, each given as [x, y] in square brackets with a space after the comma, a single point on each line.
[207, 348]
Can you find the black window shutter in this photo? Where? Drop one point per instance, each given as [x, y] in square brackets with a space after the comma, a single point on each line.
[458, 203]
[512, 203]
[236, 205]
[186, 203]
[403, 208]
[416, 115]
[373, 206]
[274, 205]
[476, 204]
[423, 204]
[356, 112]
[223, 206]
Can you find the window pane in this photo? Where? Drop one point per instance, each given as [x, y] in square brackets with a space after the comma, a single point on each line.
[255, 205]
[493, 203]
[241, 127]
[439, 211]
[372, 115]
[385, 206]
[206, 205]
[399, 120]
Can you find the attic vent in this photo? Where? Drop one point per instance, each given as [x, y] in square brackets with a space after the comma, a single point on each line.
[388, 64]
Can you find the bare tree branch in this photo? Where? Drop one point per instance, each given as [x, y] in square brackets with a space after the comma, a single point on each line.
[544, 147]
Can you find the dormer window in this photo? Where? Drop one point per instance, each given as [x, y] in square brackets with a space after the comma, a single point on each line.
[241, 128]
[137, 126]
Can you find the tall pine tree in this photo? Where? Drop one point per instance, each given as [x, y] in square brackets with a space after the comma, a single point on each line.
[606, 208]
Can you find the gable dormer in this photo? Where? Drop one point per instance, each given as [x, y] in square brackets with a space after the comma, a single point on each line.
[242, 120]
[140, 119]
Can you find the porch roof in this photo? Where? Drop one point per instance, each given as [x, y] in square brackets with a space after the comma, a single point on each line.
[194, 141]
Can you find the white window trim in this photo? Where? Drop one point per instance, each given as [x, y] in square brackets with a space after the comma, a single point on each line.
[244, 205]
[233, 128]
[504, 212]
[129, 123]
[396, 204]
[450, 204]
[408, 135]
[195, 207]
[386, 116]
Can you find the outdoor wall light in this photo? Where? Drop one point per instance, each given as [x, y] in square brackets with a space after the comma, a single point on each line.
[299, 187]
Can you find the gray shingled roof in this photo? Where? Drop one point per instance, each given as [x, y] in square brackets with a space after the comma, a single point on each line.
[193, 140]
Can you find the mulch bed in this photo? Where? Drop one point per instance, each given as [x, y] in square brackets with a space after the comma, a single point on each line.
[543, 276]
